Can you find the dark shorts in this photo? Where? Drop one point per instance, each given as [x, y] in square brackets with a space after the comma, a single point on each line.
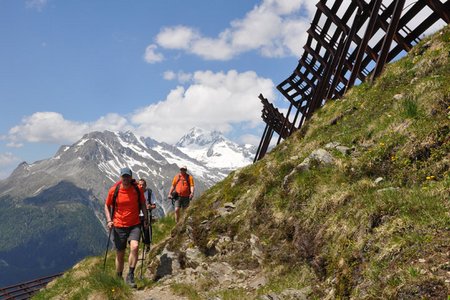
[123, 234]
[182, 202]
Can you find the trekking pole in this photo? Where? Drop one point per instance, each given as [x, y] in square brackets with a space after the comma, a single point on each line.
[143, 250]
[107, 247]
[150, 239]
[150, 229]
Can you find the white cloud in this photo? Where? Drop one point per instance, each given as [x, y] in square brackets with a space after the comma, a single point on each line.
[51, 127]
[151, 56]
[169, 75]
[181, 76]
[8, 159]
[274, 28]
[270, 28]
[213, 49]
[111, 122]
[14, 145]
[177, 37]
[48, 127]
[36, 4]
[250, 139]
[8, 162]
[215, 101]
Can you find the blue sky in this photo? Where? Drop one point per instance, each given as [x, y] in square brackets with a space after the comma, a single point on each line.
[156, 68]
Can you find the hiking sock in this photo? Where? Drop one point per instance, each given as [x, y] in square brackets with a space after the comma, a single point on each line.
[131, 271]
[119, 274]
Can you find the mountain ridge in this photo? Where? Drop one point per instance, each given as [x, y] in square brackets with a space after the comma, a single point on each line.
[88, 168]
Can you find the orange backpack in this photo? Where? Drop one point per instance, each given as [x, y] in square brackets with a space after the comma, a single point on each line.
[186, 178]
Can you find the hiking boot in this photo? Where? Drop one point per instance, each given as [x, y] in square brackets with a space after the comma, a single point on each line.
[130, 280]
[147, 248]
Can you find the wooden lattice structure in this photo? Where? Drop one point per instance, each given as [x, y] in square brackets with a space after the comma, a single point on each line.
[347, 44]
[275, 122]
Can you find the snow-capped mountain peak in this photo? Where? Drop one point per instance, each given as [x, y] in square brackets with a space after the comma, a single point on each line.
[198, 137]
[214, 150]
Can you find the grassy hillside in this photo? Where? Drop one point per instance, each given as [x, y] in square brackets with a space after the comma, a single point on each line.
[372, 223]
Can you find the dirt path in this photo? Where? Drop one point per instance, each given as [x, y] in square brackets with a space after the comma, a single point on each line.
[156, 293]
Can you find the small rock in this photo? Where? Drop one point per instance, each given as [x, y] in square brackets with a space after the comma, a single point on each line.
[167, 264]
[256, 248]
[229, 205]
[258, 282]
[398, 96]
[344, 150]
[378, 180]
[223, 211]
[297, 294]
[193, 257]
[332, 145]
[295, 157]
[421, 260]
[322, 156]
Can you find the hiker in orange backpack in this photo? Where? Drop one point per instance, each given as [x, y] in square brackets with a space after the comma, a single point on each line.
[181, 191]
[124, 201]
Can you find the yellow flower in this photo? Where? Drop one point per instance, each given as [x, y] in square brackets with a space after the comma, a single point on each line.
[381, 144]
[428, 177]
[393, 157]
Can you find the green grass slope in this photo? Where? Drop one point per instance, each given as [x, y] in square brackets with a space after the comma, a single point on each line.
[337, 228]
[372, 224]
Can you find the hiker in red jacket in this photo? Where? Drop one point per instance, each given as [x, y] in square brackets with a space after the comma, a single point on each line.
[181, 191]
[122, 215]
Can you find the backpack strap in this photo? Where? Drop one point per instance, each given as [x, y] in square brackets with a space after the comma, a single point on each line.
[113, 208]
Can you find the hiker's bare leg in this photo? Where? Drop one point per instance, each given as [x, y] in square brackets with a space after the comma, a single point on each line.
[177, 214]
[132, 259]
[119, 260]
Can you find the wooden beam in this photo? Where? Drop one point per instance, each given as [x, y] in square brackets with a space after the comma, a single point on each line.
[387, 41]
[362, 47]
